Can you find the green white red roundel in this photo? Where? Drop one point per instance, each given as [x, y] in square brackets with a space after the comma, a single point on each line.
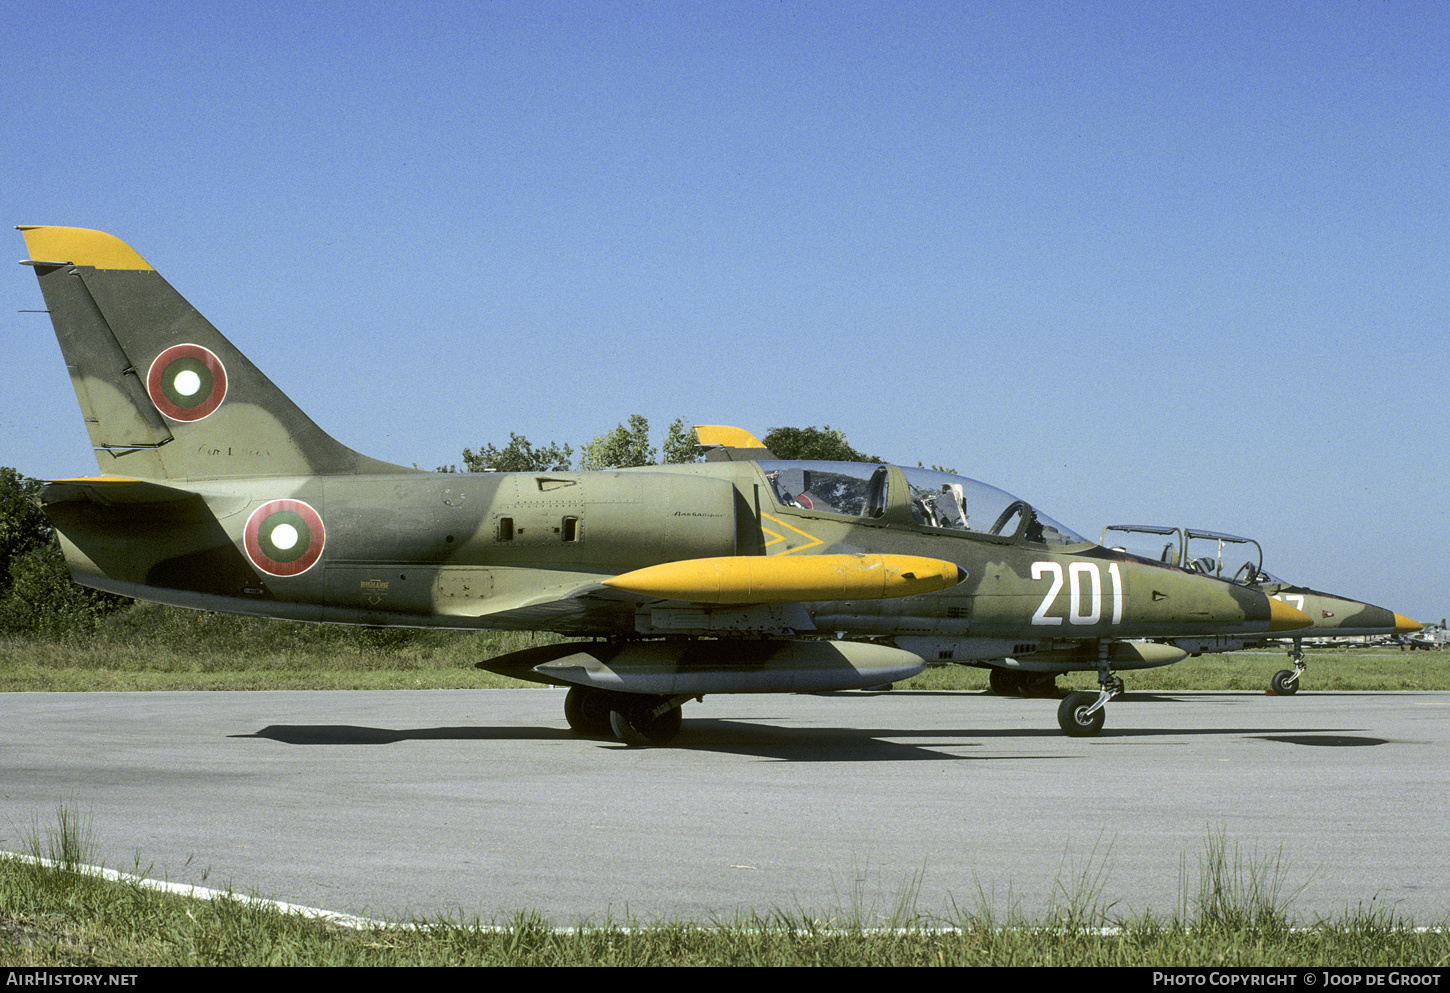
[186, 382]
[284, 537]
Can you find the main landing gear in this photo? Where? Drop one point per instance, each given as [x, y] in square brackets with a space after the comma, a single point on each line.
[1081, 715]
[633, 718]
[1286, 681]
[1017, 682]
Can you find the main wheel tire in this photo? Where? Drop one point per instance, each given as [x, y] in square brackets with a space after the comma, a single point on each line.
[587, 711]
[1043, 685]
[1006, 682]
[633, 723]
[1284, 683]
[1073, 718]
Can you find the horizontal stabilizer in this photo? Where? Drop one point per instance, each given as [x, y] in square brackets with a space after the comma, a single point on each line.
[111, 491]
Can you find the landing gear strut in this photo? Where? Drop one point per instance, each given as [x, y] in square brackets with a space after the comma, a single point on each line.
[1286, 681]
[633, 718]
[1081, 715]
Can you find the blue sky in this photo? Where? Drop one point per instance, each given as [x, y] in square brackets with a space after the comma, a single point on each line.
[1156, 262]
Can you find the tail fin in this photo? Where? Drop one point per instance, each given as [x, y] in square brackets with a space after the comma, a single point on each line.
[163, 393]
[723, 443]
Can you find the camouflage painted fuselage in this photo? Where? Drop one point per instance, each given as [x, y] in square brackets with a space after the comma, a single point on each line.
[528, 551]
[1335, 616]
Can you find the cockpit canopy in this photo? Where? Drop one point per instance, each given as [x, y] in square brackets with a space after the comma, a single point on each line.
[1210, 553]
[932, 499]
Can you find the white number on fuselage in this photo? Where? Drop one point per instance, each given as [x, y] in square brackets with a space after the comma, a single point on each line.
[1295, 600]
[1081, 610]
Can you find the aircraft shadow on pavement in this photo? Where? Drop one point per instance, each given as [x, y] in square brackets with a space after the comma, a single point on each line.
[793, 744]
[353, 734]
[834, 744]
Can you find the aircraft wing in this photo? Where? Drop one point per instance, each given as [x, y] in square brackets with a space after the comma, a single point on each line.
[571, 608]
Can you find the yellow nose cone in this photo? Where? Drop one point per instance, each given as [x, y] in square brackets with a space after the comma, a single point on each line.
[1403, 625]
[1283, 617]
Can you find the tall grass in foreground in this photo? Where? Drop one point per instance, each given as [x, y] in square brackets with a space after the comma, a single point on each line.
[1237, 915]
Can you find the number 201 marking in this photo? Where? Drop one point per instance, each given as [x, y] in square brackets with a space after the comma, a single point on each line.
[1081, 609]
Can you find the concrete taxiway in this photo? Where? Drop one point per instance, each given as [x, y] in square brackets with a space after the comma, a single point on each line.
[464, 804]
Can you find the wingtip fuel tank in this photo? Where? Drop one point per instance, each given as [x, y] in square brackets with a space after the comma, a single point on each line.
[787, 579]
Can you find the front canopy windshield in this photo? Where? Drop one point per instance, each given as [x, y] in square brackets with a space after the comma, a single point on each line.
[937, 499]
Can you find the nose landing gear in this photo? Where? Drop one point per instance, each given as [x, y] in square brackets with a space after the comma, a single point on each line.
[1081, 715]
[1286, 681]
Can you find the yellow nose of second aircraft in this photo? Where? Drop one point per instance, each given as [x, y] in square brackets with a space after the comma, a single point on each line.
[1403, 625]
[1283, 617]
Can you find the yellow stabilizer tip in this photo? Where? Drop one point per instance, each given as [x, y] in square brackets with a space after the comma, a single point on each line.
[80, 246]
[1403, 625]
[788, 579]
[1283, 617]
[725, 436]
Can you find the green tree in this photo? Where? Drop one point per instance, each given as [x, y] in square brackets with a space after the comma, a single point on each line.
[23, 527]
[680, 445]
[518, 456]
[826, 443]
[624, 446]
[37, 595]
[620, 448]
[43, 600]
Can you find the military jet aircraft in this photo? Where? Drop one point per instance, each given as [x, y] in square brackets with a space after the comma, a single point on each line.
[1430, 638]
[217, 492]
[1211, 553]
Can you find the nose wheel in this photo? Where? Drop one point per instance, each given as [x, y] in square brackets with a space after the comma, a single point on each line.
[1286, 681]
[1081, 715]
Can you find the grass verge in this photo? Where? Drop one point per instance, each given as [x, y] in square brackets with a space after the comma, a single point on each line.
[54, 913]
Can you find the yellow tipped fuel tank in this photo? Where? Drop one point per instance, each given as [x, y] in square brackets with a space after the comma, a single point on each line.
[781, 579]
